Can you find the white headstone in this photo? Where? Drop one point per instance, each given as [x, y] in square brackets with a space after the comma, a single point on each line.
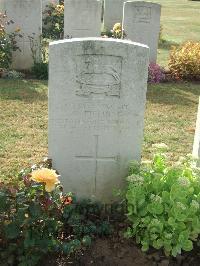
[141, 23]
[45, 3]
[82, 18]
[196, 146]
[27, 16]
[97, 93]
[113, 13]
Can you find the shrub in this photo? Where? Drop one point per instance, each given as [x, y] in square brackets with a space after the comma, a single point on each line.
[40, 70]
[163, 205]
[184, 61]
[155, 73]
[53, 22]
[38, 218]
[8, 42]
[40, 67]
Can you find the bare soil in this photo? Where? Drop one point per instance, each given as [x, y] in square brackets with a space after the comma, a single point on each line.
[116, 251]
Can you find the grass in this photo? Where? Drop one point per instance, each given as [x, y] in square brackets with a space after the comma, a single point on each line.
[23, 124]
[170, 114]
[170, 118]
[180, 22]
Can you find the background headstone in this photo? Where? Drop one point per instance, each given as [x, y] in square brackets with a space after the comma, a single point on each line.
[97, 93]
[113, 13]
[27, 16]
[141, 23]
[82, 18]
[196, 146]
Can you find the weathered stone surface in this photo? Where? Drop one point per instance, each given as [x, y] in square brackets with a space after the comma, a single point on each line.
[47, 2]
[196, 146]
[82, 18]
[27, 16]
[97, 92]
[113, 13]
[141, 23]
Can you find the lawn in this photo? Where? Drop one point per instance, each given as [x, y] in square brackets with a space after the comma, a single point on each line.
[170, 112]
[23, 124]
[170, 118]
[180, 20]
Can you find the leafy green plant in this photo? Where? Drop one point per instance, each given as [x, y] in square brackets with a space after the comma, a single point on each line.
[53, 20]
[38, 218]
[163, 205]
[40, 70]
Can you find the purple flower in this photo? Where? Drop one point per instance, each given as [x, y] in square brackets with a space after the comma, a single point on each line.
[156, 73]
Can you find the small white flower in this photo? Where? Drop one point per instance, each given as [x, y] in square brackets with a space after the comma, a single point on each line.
[195, 204]
[33, 167]
[181, 206]
[135, 179]
[156, 198]
[183, 181]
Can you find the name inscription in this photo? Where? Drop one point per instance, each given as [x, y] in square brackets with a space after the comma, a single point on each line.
[87, 116]
[142, 14]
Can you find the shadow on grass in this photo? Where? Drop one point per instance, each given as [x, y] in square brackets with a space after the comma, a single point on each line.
[23, 90]
[184, 94]
[166, 45]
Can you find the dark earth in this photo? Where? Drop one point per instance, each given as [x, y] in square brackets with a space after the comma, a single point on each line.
[116, 251]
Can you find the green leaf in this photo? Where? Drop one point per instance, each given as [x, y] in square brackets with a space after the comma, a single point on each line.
[87, 241]
[183, 236]
[145, 246]
[128, 233]
[66, 248]
[158, 243]
[155, 208]
[176, 250]
[187, 245]
[4, 202]
[35, 210]
[166, 197]
[12, 231]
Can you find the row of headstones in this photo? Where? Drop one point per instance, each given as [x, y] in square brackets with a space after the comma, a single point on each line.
[97, 94]
[140, 20]
[82, 19]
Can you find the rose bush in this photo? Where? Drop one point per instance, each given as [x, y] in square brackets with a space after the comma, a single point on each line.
[37, 218]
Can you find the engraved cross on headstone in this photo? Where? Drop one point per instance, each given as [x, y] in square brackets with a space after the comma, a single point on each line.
[96, 158]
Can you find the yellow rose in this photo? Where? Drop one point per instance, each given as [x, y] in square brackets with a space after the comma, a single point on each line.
[47, 176]
[117, 28]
